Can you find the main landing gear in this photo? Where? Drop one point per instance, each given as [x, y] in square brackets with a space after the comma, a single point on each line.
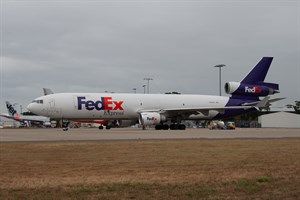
[171, 127]
[102, 127]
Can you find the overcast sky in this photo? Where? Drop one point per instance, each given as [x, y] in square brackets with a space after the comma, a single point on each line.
[97, 46]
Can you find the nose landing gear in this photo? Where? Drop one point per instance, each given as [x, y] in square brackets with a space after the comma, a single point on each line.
[65, 125]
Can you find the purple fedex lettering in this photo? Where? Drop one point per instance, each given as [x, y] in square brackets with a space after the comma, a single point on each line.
[80, 102]
[89, 105]
[106, 103]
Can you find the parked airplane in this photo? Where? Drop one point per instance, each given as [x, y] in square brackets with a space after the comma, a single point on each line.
[25, 119]
[158, 109]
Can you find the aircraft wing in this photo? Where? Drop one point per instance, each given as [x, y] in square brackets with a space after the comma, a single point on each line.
[190, 111]
[202, 110]
[205, 110]
[21, 119]
[266, 102]
[7, 116]
[14, 118]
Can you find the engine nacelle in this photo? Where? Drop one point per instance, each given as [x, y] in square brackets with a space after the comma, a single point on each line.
[231, 87]
[151, 118]
[257, 90]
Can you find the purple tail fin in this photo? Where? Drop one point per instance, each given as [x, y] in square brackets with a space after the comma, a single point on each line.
[253, 85]
[259, 72]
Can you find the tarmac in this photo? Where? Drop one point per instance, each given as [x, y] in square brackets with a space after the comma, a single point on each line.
[127, 134]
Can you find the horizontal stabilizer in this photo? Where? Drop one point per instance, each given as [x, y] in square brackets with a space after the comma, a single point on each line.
[274, 86]
[274, 100]
[263, 103]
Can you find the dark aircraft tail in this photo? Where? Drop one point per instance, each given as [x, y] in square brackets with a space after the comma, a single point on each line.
[253, 85]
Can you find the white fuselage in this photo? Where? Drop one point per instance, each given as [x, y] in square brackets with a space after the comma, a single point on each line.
[120, 106]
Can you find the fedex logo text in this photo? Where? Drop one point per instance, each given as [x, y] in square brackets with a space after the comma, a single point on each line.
[151, 118]
[253, 90]
[106, 103]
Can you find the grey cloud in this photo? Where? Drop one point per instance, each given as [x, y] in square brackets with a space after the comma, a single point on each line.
[96, 46]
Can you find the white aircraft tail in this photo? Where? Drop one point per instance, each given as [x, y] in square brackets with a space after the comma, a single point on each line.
[11, 109]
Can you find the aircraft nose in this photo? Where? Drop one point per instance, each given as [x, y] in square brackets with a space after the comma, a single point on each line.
[30, 107]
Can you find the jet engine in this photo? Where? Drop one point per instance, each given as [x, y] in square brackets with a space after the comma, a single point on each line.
[151, 118]
[260, 89]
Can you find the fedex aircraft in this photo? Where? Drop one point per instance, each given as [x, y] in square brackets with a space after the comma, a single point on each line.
[25, 119]
[162, 109]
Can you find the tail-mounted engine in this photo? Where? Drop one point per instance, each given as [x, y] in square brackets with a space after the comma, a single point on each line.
[260, 89]
[151, 118]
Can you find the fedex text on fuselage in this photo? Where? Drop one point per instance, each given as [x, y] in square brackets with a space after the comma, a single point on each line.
[105, 103]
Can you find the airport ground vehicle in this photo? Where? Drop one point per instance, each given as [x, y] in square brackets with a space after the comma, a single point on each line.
[230, 125]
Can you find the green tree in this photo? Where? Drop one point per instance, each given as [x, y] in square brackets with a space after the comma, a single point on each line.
[296, 106]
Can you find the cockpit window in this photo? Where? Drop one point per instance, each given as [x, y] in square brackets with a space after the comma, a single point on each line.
[38, 101]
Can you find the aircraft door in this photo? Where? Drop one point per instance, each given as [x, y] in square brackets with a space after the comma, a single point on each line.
[52, 104]
[53, 110]
[75, 102]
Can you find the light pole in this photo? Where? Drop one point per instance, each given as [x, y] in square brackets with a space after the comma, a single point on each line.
[148, 80]
[144, 86]
[220, 79]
